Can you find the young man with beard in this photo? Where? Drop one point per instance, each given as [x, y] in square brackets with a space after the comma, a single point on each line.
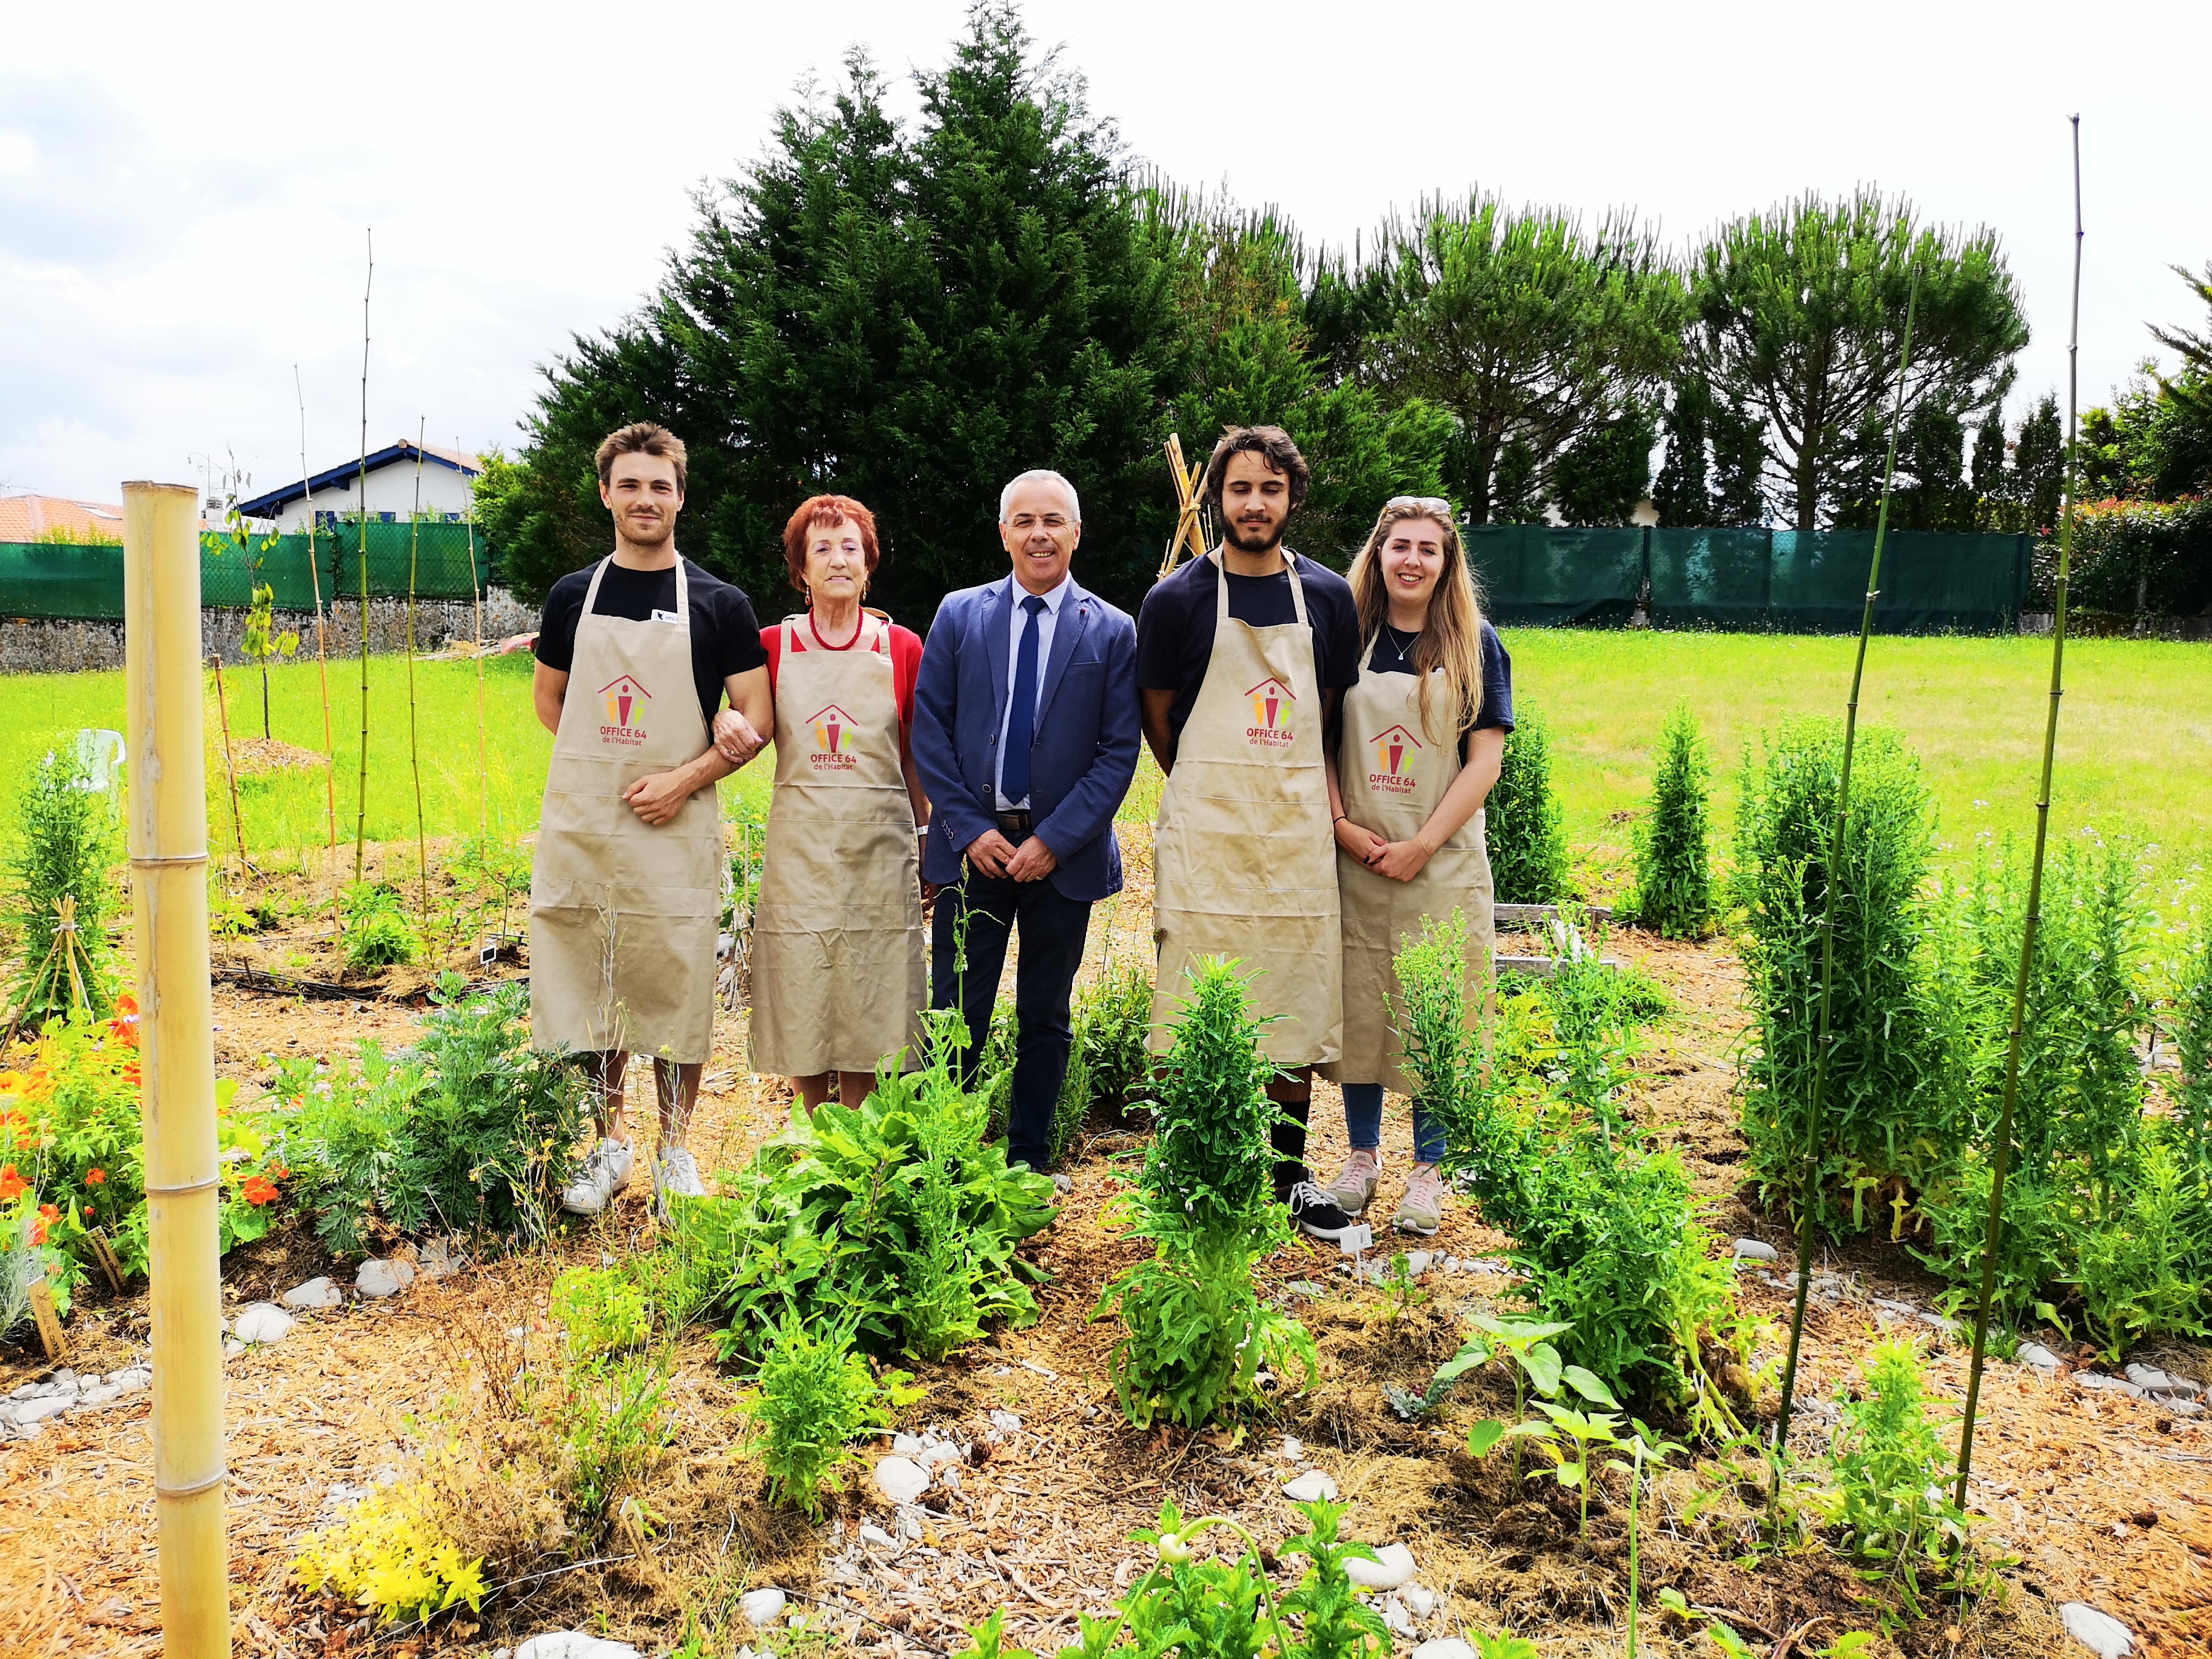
[1241, 658]
[626, 887]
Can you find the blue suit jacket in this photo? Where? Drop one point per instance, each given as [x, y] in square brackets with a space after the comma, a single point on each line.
[1088, 730]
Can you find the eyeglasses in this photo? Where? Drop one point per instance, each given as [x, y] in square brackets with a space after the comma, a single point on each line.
[1427, 503]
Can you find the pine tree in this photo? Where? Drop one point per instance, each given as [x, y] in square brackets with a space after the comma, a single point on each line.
[1987, 479]
[1673, 893]
[1739, 465]
[1683, 496]
[1525, 825]
[2038, 464]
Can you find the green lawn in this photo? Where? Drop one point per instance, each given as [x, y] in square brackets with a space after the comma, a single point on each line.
[2135, 743]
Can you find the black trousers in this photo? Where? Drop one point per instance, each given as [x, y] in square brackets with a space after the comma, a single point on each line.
[1053, 928]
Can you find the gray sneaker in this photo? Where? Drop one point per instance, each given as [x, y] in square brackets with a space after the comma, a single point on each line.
[1353, 1189]
[604, 1172]
[1422, 1210]
[675, 1175]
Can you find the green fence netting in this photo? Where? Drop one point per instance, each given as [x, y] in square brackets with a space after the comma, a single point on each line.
[60, 580]
[1810, 581]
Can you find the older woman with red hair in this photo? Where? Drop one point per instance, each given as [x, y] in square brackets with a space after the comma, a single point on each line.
[838, 975]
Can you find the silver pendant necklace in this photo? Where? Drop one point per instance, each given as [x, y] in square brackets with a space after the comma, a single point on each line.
[1401, 649]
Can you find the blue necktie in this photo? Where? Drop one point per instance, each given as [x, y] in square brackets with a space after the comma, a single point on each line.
[1021, 721]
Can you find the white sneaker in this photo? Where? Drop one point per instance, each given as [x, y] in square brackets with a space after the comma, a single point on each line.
[675, 1175]
[604, 1172]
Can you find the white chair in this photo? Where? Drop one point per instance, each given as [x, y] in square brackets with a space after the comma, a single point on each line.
[101, 753]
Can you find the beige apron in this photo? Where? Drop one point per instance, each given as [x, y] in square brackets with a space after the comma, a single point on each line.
[838, 975]
[1392, 775]
[1241, 858]
[622, 913]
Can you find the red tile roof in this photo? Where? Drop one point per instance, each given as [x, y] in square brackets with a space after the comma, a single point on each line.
[28, 518]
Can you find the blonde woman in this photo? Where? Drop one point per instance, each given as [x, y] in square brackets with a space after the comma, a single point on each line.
[1422, 738]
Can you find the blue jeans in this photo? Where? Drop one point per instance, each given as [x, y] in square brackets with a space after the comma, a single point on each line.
[1363, 1124]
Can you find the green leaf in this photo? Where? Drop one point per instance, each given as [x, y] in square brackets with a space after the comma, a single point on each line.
[1587, 1385]
[1484, 1435]
[1543, 1366]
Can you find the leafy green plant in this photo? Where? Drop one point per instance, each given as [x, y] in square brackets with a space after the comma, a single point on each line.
[1899, 1095]
[603, 1310]
[2192, 1039]
[895, 1211]
[1891, 1470]
[1643, 1446]
[1108, 1070]
[474, 1130]
[392, 1554]
[262, 644]
[375, 928]
[1526, 824]
[1674, 891]
[1194, 1333]
[65, 843]
[1401, 1290]
[618, 1427]
[813, 1397]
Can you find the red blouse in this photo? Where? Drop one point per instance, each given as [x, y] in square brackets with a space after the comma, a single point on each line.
[906, 662]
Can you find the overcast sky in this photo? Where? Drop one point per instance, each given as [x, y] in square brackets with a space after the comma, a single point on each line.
[183, 194]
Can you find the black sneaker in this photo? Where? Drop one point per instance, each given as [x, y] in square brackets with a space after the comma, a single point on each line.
[1318, 1214]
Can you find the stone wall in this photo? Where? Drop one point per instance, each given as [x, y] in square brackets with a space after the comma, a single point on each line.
[28, 646]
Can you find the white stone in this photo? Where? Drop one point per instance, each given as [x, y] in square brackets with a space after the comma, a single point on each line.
[1417, 1261]
[28, 1412]
[2184, 1407]
[1753, 1249]
[2104, 1384]
[950, 1479]
[1395, 1617]
[263, 1322]
[1420, 1601]
[1443, 1647]
[762, 1608]
[574, 1644]
[1005, 1422]
[909, 1524]
[2097, 1630]
[872, 1534]
[936, 1454]
[440, 1258]
[907, 1445]
[2035, 1355]
[1294, 1449]
[315, 1293]
[379, 1278]
[232, 1348]
[1063, 1184]
[1309, 1487]
[900, 1480]
[1393, 1565]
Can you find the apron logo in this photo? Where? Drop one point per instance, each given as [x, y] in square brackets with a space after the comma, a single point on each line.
[1272, 726]
[624, 698]
[833, 739]
[1394, 763]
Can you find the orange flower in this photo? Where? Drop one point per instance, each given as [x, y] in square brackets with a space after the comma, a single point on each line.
[256, 1191]
[278, 1172]
[126, 1006]
[38, 1232]
[96, 1176]
[131, 1074]
[12, 1186]
[50, 1213]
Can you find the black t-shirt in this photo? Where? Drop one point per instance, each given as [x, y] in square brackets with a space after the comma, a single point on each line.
[725, 635]
[1175, 627]
[1497, 710]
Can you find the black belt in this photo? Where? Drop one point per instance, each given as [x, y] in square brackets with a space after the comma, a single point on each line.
[1015, 826]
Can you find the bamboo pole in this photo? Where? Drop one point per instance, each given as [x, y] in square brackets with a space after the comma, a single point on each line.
[1190, 529]
[1808, 1205]
[230, 770]
[414, 748]
[2001, 1155]
[361, 797]
[167, 804]
[483, 739]
[322, 658]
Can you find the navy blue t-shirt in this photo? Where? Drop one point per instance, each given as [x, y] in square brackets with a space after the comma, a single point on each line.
[1175, 627]
[1497, 710]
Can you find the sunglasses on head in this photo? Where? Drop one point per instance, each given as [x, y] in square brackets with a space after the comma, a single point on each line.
[1427, 503]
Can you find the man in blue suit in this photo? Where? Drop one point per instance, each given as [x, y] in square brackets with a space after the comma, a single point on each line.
[1025, 729]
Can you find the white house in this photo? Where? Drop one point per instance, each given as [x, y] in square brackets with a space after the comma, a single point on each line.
[448, 483]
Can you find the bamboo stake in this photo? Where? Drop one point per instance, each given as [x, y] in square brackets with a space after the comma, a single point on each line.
[1189, 529]
[230, 770]
[360, 799]
[414, 750]
[167, 806]
[2001, 1156]
[322, 658]
[1808, 1207]
[483, 740]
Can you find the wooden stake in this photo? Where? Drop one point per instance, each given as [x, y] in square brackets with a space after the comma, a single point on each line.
[322, 658]
[1809, 1207]
[103, 1253]
[2001, 1154]
[50, 1324]
[230, 770]
[360, 799]
[414, 750]
[168, 807]
[1190, 529]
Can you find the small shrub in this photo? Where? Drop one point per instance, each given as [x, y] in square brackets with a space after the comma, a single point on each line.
[1525, 825]
[1108, 1070]
[2192, 1039]
[1195, 1334]
[1891, 1468]
[376, 930]
[603, 1311]
[1673, 893]
[815, 1395]
[618, 1427]
[66, 844]
[392, 1555]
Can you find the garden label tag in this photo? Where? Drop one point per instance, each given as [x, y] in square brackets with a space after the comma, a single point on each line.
[50, 1325]
[488, 953]
[1358, 1238]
